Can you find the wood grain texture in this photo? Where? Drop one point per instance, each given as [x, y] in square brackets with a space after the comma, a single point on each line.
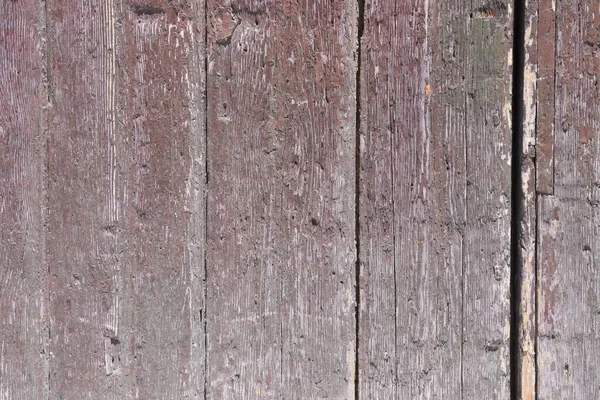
[281, 244]
[435, 200]
[89, 295]
[576, 148]
[23, 344]
[158, 75]
[486, 280]
[569, 298]
[546, 62]
[568, 292]
[125, 200]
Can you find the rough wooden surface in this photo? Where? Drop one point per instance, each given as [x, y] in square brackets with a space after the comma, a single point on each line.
[569, 299]
[120, 261]
[486, 262]
[23, 334]
[159, 82]
[546, 81]
[576, 148]
[281, 159]
[568, 292]
[435, 200]
[88, 301]
[124, 201]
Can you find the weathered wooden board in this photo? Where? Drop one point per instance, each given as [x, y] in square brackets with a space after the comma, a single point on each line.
[435, 200]
[576, 119]
[124, 190]
[281, 224]
[569, 291]
[22, 270]
[544, 48]
[569, 298]
[112, 283]
[486, 263]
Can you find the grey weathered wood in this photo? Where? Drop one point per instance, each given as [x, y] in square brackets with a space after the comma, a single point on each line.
[118, 216]
[281, 242]
[435, 200]
[486, 281]
[89, 308]
[158, 58]
[23, 332]
[576, 150]
[569, 299]
[125, 200]
[545, 44]
[568, 292]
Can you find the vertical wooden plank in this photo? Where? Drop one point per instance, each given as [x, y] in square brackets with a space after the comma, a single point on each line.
[158, 72]
[576, 150]
[569, 299]
[546, 44]
[281, 241]
[125, 200]
[486, 342]
[23, 332]
[89, 295]
[377, 282]
[568, 293]
[412, 199]
[435, 199]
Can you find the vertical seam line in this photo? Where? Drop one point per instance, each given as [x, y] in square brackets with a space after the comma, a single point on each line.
[206, 183]
[360, 30]
[517, 197]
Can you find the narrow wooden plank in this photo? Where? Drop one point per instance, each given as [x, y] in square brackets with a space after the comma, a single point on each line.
[568, 293]
[486, 281]
[281, 242]
[576, 150]
[546, 49]
[23, 352]
[157, 57]
[125, 200]
[437, 105]
[377, 282]
[569, 313]
[412, 199]
[89, 287]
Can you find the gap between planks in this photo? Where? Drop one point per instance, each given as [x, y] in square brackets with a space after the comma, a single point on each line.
[360, 30]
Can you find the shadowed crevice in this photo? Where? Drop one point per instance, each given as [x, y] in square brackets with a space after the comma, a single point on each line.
[516, 195]
[360, 29]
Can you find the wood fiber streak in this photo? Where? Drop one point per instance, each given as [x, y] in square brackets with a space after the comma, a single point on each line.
[281, 245]
[125, 200]
[568, 221]
[435, 200]
[23, 335]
